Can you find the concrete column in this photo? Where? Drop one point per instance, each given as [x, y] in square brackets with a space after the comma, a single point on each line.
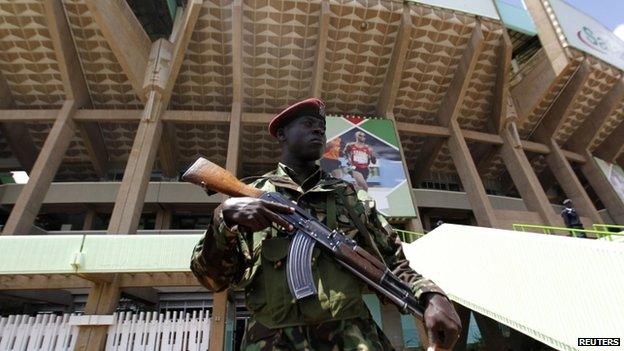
[102, 300]
[29, 201]
[391, 321]
[526, 181]
[89, 218]
[131, 195]
[604, 189]
[414, 225]
[470, 179]
[163, 219]
[570, 184]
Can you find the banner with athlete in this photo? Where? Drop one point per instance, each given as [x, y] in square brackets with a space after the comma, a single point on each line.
[366, 153]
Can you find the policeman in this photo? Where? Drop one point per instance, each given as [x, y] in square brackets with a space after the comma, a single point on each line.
[247, 245]
[572, 219]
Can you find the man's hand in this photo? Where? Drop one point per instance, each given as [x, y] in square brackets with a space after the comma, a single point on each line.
[442, 322]
[254, 214]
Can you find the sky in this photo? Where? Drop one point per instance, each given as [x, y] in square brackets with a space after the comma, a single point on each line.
[608, 12]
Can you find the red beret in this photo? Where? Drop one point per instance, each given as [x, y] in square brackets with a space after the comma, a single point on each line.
[307, 107]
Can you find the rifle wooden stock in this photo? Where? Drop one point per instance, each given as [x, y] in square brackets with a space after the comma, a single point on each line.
[213, 177]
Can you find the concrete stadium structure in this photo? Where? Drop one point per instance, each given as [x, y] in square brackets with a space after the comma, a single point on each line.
[104, 109]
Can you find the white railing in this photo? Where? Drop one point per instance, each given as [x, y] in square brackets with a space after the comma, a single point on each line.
[43, 332]
[145, 331]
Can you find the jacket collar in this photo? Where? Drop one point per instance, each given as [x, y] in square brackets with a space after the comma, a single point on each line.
[319, 181]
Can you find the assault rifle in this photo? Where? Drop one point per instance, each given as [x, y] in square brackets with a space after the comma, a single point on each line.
[308, 231]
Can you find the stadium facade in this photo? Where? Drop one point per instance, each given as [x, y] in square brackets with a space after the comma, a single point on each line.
[499, 113]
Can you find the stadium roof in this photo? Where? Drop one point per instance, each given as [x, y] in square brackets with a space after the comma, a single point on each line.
[555, 289]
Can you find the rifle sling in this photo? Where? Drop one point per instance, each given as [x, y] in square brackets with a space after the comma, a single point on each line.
[361, 227]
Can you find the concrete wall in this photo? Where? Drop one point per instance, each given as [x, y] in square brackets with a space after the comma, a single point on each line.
[106, 192]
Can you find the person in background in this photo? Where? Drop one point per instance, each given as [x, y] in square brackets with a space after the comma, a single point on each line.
[571, 218]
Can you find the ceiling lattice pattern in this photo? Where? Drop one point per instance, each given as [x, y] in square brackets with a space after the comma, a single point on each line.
[76, 152]
[601, 79]
[76, 172]
[118, 138]
[443, 162]
[27, 58]
[536, 114]
[205, 78]
[438, 40]
[279, 46]
[208, 140]
[613, 121]
[494, 168]
[258, 146]
[108, 85]
[412, 147]
[360, 40]
[478, 101]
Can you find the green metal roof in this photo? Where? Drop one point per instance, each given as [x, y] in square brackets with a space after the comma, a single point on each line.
[50, 254]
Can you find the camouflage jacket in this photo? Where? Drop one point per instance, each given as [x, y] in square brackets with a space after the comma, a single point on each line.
[254, 262]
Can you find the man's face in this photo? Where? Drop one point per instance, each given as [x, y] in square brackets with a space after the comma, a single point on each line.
[304, 137]
[360, 137]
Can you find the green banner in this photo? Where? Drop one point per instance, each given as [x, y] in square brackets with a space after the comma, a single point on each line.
[366, 153]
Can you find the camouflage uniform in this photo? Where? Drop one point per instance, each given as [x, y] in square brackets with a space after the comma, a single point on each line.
[334, 319]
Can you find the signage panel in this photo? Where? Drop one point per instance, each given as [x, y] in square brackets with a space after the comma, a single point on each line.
[366, 153]
[588, 35]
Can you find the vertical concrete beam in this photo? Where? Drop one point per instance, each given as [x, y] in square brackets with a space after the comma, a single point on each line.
[163, 219]
[164, 64]
[556, 115]
[102, 300]
[604, 189]
[392, 82]
[481, 206]
[126, 37]
[548, 34]
[74, 83]
[525, 179]
[90, 215]
[29, 201]
[167, 152]
[220, 313]
[454, 98]
[321, 48]
[570, 184]
[501, 90]
[131, 194]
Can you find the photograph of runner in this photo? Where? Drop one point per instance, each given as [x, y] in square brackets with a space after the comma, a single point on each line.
[359, 157]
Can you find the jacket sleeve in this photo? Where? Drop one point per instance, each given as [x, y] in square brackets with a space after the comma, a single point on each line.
[217, 259]
[389, 245]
